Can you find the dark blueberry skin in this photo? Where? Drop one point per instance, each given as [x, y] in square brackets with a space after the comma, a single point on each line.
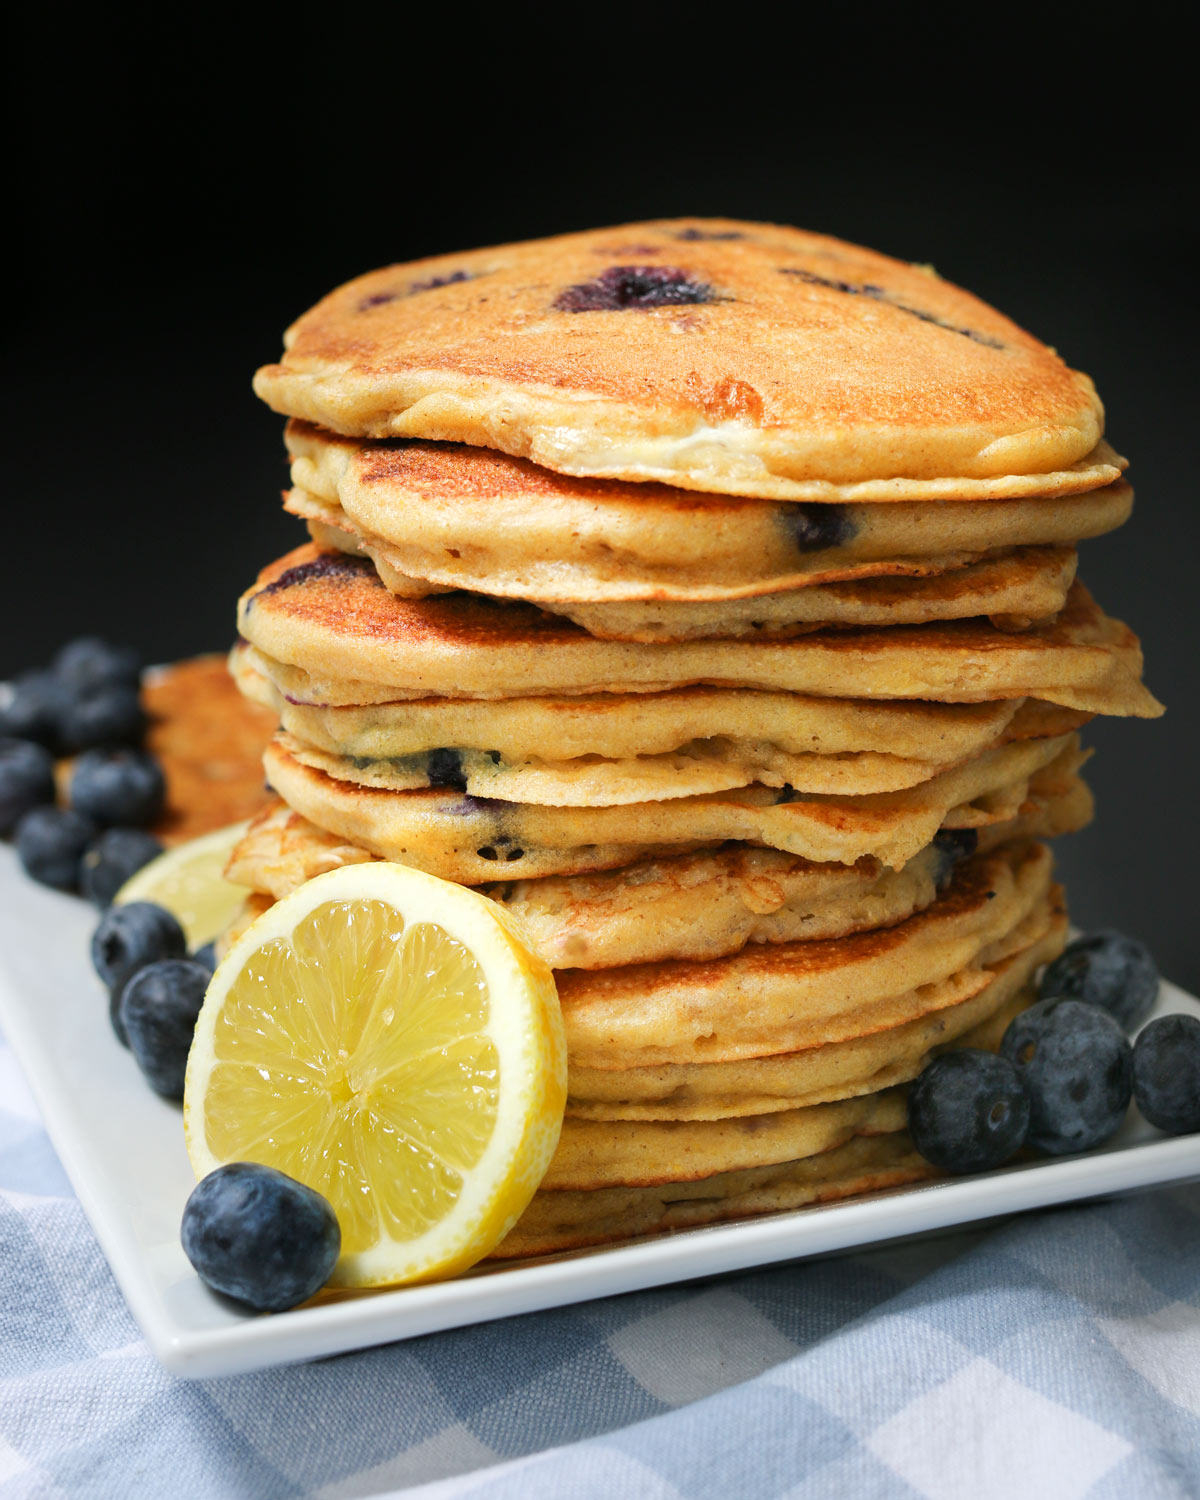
[813, 528]
[379, 299]
[851, 288]
[710, 234]
[206, 956]
[444, 768]
[623, 287]
[50, 843]
[90, 662]
[1106, 969]
[118, 788]
[968, 1111]
[31, 708]
[112, 859]
[434, 282]
[951, 846]
[131, 936]
[157, 1012]
[1166, 1074]
[110, 714]
[26, 780]
[881, 294]
[260, 1236]
[1077, 1068]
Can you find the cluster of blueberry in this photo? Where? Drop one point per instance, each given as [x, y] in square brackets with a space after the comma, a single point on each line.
[250, 1231]
[1066, 1071]
[155, 990]
[87, 704]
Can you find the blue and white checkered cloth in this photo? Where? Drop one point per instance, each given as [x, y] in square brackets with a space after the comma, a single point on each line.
[1056, 1356]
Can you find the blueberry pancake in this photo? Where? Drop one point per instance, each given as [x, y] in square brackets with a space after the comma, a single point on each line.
[620, 726]
[328, 632]
[446, 516]
[1013, 589]
[590, 752]
[773, 998]
[711, 354]
[902, 1035]
[695, 769]
[530, 524]
[473, 839]
[697, 906]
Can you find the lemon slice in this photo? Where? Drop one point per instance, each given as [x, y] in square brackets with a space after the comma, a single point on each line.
[189, 880]
[391, 1040]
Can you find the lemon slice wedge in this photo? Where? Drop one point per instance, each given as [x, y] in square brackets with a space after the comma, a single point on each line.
[189, 881]
[392, 1041]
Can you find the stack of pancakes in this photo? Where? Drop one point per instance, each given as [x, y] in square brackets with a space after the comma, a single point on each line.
[704, 592]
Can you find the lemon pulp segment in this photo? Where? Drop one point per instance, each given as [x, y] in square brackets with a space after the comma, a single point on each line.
[381, 1052]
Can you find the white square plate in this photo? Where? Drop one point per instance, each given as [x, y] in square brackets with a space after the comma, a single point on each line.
[122, 1147]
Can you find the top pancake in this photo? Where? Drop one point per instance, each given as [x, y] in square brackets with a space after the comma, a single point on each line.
[746, 359]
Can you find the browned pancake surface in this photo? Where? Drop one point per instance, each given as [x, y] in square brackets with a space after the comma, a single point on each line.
[599, 352]
[327, 615]
[210, 742]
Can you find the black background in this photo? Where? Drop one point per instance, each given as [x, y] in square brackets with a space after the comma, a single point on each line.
[186, 187]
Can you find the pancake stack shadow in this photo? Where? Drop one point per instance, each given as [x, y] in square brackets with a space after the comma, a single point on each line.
[705, 593]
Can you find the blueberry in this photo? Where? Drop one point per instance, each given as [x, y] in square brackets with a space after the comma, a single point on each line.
[121, 787]
[111, 859]
[445, 768]
[379, 299]
[813, 528]
[157, 1012]
[968, 1111]
[50, 842]
[710, 234]
[622, 287]
[1106, 969]
[434, 282]
[26, 780]
[110, 714]
[1166, 1074]
[206, 956]
[950, 847]
[31, 708]
[131, 936]
[1077, 1067]
[260, 1236]
[90, 662]
[881, 294]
